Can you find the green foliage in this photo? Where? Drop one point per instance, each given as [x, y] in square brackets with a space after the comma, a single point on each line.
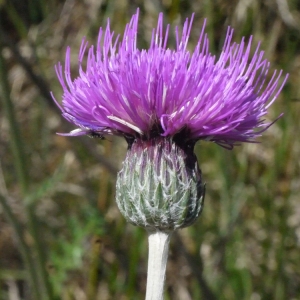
[68, 253]
[45, 187]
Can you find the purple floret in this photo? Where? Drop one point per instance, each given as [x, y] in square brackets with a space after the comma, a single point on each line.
[135, 92]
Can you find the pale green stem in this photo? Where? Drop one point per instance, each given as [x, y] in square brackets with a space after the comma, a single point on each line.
[157, 262]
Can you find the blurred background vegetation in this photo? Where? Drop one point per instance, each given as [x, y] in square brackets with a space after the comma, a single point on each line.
[61, 234]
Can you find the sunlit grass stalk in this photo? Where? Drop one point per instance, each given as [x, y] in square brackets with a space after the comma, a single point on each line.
[93, 277]
[15, 139]
[138, 236]
[157, 262]
[39, 275]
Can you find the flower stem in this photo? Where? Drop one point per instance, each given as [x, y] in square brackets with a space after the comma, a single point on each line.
[157, 261]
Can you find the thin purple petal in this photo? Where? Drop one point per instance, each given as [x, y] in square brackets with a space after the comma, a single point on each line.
[140, 92]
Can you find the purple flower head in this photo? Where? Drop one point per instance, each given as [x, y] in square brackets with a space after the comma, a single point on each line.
[146, 93]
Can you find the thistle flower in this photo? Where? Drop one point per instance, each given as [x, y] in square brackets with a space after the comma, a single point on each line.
[163, 101]
[141, 94]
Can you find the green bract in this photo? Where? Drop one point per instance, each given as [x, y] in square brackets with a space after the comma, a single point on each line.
[160, 185]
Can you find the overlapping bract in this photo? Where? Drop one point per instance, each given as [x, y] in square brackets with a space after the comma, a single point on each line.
[128, 91]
